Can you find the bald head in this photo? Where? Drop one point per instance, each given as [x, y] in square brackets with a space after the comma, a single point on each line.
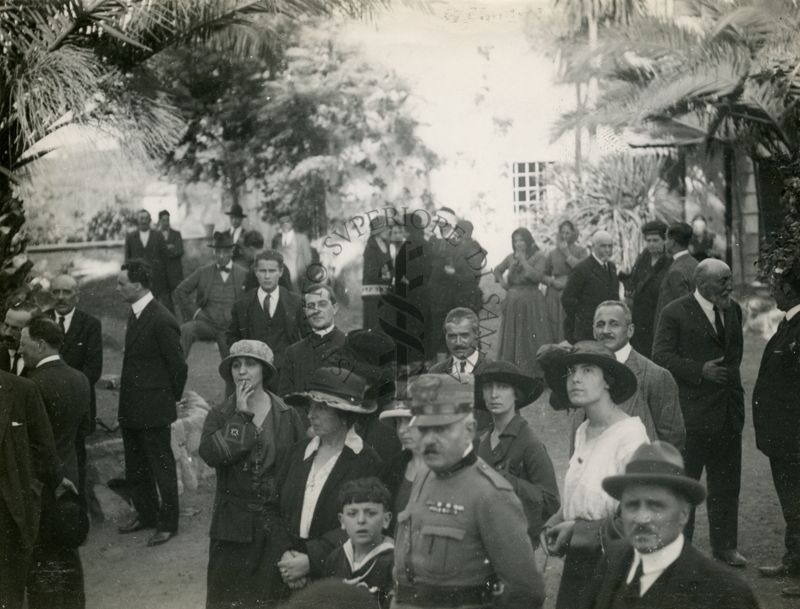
[602, 245]
[714, 282]
[64, 289]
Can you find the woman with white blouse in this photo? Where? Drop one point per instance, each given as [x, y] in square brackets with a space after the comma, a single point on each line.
[317, 468]
[589, 377]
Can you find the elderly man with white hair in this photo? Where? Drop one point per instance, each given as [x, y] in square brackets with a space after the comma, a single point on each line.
[592, 281]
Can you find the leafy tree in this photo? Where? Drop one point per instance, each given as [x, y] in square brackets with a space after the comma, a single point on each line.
[88, 61]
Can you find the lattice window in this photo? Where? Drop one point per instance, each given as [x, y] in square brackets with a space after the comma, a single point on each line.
[530, 189]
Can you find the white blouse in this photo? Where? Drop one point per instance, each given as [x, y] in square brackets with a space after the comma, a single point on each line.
[595, 459]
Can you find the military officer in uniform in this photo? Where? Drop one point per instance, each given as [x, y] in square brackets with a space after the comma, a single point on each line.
[461, 541]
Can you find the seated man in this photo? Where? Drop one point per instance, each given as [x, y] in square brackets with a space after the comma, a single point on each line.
[216, 287]
[654, 566]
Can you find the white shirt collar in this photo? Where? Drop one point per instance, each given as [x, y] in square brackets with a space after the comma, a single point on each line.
[792, 312]
[707, 305]
[677, 255]
[623, 353]
[140, 304]
[144, 232]
[326, 331]
[49, 358]
[352, 441]
[472, 361]
[655, 563]
[347, 547]
[274, 296]
[600, 262]
[67, 318]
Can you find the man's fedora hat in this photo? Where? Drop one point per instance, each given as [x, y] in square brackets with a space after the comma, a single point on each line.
[506, 372]
[439, 399]
[337, 388]
[236, 211]
[221, 240]
[656, 464]
[248, 348]
[556, 360]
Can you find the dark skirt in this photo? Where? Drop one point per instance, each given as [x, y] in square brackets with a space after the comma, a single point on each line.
[244, 575]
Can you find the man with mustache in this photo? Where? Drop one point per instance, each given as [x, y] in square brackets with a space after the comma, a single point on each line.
[462, 540]
[654, 565]
[699, 340]
[17, 317]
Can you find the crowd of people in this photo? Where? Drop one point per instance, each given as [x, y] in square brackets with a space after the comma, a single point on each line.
[393, 458]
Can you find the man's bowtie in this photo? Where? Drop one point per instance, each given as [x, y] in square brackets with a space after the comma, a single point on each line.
[224, 269]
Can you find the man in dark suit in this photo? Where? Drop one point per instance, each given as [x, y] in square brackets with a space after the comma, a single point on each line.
[148, 245]
[16, 318]
[216, 286]
[173, 257]
[699, 340]
[56, 576]
[153, 376]
[654, 566]
[271, 314]
[462, 337]
[643, 285]
[317, 350]
[776, 416]
[592, 281]
[83, 350]
[679, 279]
[236, 231]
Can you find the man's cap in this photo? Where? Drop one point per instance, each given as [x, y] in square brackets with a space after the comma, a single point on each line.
[236, 211]
[556, 360]
[681, 231]
[221, 240]
[506, 372]
[654, 227]
[656, 464]
[439, 399]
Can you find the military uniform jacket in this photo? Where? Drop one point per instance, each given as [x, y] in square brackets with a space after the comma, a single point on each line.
[466, 529]
[776, 410]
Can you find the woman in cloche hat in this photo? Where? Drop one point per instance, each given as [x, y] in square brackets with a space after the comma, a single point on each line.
[318, 467]
[511, 446]
[588, 376]
[246, 439]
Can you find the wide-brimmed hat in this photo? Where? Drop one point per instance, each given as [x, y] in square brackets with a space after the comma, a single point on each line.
[556, 360]
[335, 387]
[248, 348]
[506, 372]
[658, 464]
[439, 399]
[66, 522]
[236, 211]
[221, 240]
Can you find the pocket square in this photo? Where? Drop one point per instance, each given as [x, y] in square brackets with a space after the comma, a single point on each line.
[16, 424]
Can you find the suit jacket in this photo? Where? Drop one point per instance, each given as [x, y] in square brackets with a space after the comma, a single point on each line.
[643, 286]
[66, 396]
[199, 283]
[5, 362]
[678, 281]
[685, 340]
[247, 321]
[153, 369]
[225, 444]
[776, 412]
[153, 254]
[482, 417]
[691, 582]
[28, 460]
[302, 358]
[325, 532]
[588, 285]
[83, 350]
[173, 255]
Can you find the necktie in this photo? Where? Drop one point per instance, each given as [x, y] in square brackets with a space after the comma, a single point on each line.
[15, 363]
[718, 325]
[61, 324]
[463, 366]
[633, 589]
[267, 307]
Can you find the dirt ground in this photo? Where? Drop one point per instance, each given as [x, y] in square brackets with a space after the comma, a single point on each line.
[121, 572]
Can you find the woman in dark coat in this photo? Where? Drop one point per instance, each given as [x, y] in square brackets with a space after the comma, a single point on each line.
[246, 439]
[317, 468]
[511, 447]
